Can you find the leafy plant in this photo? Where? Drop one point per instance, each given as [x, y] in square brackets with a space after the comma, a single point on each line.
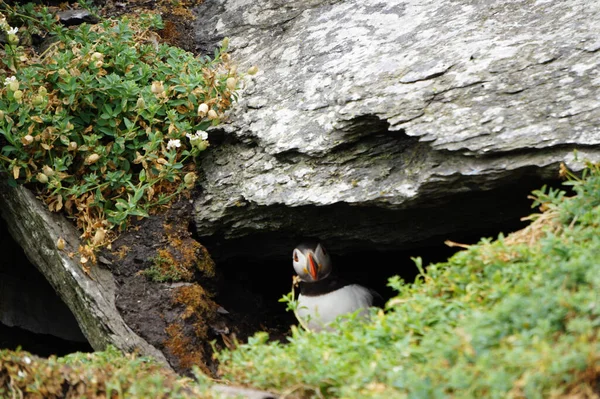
[518, 316]
[107, 121]
[107, 374]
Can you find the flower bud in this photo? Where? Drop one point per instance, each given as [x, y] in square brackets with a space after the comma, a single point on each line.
[42, 178]
[231, 83]
[60, 244]
[48, 171]
[212, 114]
[189, 179]
[27, 139]
[42, 91]
[233, 70]
[37, 99]
[201, 145]
[13, 39]
[157, 87]
[225, 43]
[140, 104]
[72, 146]
[62, 72]
[91, 159]
[202, 109]
[98, 64]
[13, 85]
[97, 56]
[225, 58]
[18, 95]
[252, 70]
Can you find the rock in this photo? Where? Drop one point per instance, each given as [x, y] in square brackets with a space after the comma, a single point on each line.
[366, 116]
[226, 391]
[91, 298]
[76, 17]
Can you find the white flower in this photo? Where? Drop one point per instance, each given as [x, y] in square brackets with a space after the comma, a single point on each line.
[176, 143]
[26, 360]
[12, 31]
[199, 135]
[7, 81]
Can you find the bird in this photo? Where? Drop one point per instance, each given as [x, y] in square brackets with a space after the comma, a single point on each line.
[323, 295]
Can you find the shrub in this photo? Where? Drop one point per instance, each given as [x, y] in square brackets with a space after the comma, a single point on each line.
[106, 122]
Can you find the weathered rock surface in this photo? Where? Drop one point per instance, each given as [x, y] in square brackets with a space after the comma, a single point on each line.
[367, 115]
[91, 298]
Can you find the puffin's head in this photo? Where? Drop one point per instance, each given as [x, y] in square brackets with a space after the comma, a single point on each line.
[311, 262]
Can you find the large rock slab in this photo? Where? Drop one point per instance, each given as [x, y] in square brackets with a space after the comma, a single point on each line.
[394, 106]
[90, 297]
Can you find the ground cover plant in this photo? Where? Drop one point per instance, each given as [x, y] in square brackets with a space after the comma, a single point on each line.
[104, 121]
[107, 374]
[518, 316]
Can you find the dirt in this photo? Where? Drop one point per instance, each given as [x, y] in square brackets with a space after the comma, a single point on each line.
[180, 318]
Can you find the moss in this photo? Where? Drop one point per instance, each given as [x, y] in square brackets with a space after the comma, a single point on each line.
[166, 268]
[187, 337]
[183, 348]
[180, 259]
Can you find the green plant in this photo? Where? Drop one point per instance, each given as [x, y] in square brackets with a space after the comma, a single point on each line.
[107, 121]
[107, 374]
[518, 316]
[164, 269]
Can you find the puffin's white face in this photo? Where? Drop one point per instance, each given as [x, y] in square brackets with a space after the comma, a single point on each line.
[312, 263]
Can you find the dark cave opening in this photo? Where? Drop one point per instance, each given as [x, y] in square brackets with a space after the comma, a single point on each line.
[32, 316]
[256, 271]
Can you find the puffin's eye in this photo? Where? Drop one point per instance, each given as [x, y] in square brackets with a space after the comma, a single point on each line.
[295, 257]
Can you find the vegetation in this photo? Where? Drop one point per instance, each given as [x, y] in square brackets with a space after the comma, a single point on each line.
[514, 317]
[107, 374]
[106, 121]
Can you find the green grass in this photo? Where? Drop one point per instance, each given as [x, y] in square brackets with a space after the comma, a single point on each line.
[515, 317]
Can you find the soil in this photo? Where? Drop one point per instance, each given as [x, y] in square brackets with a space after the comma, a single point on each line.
[182, 318]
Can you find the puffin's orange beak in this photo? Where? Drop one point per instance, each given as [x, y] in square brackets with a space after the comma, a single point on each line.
[311, 267]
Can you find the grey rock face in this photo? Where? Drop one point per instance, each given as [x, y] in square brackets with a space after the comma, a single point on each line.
[365, 111]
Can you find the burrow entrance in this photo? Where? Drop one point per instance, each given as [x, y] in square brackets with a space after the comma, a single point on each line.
[254, 276]
[32, 316]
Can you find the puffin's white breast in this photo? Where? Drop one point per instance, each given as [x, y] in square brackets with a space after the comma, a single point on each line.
[322, 309]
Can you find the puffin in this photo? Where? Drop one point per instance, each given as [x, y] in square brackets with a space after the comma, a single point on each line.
[323, 295]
